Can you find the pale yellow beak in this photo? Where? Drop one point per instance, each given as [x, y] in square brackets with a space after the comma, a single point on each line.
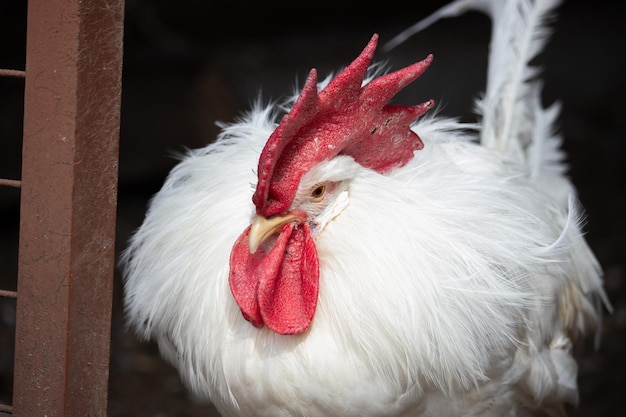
[262, 228]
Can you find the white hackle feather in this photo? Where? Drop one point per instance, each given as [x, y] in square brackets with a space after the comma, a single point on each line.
[455, 285]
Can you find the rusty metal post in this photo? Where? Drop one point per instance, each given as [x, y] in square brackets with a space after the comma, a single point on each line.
[68, 206]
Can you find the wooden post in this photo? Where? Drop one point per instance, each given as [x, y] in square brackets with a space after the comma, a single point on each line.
[68, 206]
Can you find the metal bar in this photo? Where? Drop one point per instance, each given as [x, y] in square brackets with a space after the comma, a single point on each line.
[6, 408]
[8, 294]
[10, 183]
[68, 203]
[12, 73]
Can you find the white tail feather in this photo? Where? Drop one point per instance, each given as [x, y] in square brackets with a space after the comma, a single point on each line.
[513, 117]
[544, 154]
[456, 8]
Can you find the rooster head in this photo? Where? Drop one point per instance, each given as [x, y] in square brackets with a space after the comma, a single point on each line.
[274, 266]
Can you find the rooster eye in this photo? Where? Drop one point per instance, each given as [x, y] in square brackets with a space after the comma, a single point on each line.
[318, 191]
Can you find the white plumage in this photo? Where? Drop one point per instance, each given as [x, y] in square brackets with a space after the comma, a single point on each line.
[452, 285]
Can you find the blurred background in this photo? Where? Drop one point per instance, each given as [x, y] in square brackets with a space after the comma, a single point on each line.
[191, 63]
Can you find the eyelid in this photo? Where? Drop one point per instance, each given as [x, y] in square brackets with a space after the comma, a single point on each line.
[322, 191]
[324, 188]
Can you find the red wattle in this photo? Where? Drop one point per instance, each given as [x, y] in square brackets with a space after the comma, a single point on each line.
[278, 288]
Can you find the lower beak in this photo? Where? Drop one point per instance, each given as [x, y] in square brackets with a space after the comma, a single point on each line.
[262, 228]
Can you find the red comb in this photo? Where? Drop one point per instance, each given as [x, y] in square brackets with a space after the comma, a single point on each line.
[344, 118]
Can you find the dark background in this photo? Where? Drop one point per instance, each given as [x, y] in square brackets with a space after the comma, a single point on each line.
[189, 63]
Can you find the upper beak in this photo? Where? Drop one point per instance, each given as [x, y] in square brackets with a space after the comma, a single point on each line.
[262, 228]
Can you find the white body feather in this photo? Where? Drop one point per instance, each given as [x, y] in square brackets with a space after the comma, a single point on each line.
[452, 286]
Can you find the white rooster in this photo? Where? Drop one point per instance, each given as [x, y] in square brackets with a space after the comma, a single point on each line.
[350, 260]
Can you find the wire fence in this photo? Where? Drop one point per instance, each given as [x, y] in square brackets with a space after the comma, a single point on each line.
[8, 297]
